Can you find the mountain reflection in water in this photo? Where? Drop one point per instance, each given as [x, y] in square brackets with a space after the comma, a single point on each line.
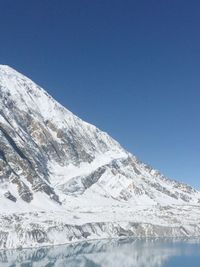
[109, 253]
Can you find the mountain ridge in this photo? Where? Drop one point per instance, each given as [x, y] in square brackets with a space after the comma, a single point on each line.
[52, 163]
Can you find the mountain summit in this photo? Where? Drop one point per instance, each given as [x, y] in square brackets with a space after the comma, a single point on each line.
[63, 180]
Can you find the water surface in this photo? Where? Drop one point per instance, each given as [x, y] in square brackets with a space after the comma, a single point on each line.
[109, 253]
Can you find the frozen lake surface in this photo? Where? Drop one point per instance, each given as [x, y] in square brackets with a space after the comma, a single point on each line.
[109, 253]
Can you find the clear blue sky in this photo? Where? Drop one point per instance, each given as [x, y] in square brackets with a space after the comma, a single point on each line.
[131, 67]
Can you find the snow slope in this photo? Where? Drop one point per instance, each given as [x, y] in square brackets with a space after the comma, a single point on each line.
[62, 179]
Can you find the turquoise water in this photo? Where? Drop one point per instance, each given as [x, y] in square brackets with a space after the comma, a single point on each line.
[109, 253]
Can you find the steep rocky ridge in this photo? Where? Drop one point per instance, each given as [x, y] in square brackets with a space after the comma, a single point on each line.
[53, 162]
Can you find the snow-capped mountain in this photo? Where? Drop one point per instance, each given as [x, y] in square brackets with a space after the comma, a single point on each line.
[62, 179]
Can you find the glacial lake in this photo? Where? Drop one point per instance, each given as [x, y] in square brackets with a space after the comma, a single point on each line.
[109, 253]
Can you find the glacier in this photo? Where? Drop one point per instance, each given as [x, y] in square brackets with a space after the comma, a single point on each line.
[64, 180]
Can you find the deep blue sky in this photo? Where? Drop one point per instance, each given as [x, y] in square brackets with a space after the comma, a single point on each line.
[131, 67]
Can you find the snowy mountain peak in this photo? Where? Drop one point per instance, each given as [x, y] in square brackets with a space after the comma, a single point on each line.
[8, 72]
[6, 68]
[52, 161]
[51, 143]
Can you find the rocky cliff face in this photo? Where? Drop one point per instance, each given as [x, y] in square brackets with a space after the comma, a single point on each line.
[50, 160]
